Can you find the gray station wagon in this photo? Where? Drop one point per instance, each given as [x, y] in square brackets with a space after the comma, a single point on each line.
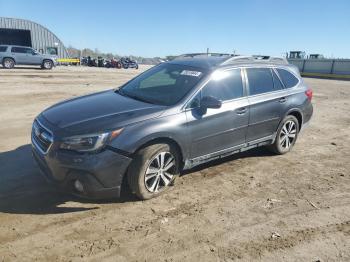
[22, 55]
[174, 116]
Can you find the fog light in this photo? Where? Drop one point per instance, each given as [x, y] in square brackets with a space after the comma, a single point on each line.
[78, 186]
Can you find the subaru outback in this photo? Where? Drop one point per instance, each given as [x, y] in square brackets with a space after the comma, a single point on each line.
[172, 117]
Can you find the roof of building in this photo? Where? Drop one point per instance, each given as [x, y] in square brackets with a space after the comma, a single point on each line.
[40, 36]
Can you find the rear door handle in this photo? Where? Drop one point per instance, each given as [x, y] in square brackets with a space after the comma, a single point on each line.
[282, 100]
[241, 111]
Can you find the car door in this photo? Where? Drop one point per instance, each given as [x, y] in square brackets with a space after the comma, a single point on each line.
[33, 57]
[216, 130]
[266, 102]
[19, 54]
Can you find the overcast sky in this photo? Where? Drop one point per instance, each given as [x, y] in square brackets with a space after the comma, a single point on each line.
[158, 28]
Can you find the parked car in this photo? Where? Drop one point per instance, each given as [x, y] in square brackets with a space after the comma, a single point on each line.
[172, 117]
[21, 55]
[128, 63]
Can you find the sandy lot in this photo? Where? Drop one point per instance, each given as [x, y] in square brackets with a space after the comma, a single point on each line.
[252, 206]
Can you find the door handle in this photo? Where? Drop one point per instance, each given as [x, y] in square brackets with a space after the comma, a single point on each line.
[241, 111]
[282, 100]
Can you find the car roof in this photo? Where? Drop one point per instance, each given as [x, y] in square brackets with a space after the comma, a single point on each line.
[16, 46]
[207, 62]
[211, 62]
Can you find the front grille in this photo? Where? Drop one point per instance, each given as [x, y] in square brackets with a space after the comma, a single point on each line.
[42, 138]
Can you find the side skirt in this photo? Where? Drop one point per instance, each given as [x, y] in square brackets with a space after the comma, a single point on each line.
[190, 163]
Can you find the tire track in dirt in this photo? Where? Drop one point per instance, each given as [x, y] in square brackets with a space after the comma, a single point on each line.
[256, 249]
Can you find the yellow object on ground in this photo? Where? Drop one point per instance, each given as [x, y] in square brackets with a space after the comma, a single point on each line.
[68, 60]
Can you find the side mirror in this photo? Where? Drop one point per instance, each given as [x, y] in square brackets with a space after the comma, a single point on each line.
[210, 102]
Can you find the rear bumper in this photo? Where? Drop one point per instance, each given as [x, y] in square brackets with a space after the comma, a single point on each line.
[307, 115]
[101, 174]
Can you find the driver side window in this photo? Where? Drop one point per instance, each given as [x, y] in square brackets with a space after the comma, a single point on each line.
[29, 51]
[224, 85]
[196, 101]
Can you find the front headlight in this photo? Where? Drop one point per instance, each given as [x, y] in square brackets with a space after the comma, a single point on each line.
[88, 143]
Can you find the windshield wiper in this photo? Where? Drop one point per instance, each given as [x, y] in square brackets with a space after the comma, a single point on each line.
[119, 91]
[134, 97]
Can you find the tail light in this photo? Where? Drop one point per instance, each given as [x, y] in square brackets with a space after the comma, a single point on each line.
[308, 93]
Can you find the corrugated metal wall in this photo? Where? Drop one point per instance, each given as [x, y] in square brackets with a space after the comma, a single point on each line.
[323, 66]
[41, 36]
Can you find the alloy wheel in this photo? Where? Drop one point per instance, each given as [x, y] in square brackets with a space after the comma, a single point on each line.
[8, 64]
[160, 172]
[288, 134]
[47, 64]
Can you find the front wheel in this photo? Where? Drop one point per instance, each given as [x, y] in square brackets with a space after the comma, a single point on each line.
[47, 64]
[286, 136]
[153, 170]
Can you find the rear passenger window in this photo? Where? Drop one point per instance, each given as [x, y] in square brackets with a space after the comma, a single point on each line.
[288, 79]
[3, 48]
[224, 85]
[260, 80]
[18, 50]
[276, 81]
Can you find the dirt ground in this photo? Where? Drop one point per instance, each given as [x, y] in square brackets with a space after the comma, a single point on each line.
[251, 206]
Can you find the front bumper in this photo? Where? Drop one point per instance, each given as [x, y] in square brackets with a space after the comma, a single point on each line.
[101, 174]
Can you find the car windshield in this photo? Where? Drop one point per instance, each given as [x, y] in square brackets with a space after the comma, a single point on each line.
[165, 84]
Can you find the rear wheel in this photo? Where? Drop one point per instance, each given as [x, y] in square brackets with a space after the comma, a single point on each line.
[153, 170]
[47, 64]
[8, 63]
[286, 136]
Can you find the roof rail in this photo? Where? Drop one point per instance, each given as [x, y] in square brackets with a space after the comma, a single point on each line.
[192, 55]
[255, 58]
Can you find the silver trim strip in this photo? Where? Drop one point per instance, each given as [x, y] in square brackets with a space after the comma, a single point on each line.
[235, 149]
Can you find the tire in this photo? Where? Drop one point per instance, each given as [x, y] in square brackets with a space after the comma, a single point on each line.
[137, 67]
[286, 136]
[47, 64]
[8, 63]
[148, 179]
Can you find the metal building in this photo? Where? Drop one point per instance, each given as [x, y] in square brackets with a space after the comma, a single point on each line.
[22, 32]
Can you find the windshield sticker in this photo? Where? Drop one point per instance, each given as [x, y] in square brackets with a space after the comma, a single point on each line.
[191, 73]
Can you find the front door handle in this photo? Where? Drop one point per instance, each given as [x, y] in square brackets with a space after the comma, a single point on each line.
[241, 111]
[282, 100]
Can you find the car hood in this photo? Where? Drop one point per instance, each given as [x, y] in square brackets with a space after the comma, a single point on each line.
[104, 111]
